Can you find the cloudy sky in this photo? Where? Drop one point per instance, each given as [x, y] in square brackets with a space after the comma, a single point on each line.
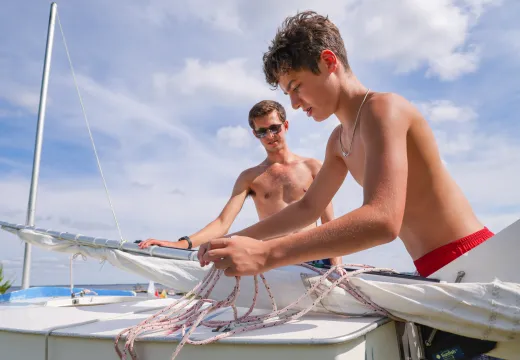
[167, 86]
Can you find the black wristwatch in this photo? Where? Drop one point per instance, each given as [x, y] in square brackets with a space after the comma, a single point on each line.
[187, 238]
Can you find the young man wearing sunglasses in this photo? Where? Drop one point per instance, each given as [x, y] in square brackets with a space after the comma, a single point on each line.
[387, 146]
[281, 179]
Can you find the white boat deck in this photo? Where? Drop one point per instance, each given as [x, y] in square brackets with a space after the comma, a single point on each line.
[24, 329]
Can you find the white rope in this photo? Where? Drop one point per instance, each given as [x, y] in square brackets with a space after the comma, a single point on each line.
[89, 131]
[187, 313]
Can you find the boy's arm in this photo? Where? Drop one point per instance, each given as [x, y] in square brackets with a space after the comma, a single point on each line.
[328, 215]
[384, 133]
[218, 227]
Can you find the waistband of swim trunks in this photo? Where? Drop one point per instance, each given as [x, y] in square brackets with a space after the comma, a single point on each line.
[442, 256]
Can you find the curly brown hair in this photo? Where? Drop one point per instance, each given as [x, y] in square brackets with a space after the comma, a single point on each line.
[298, 45]
[263, 108]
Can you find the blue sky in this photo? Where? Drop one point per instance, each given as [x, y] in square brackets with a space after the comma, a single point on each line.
[167, 87]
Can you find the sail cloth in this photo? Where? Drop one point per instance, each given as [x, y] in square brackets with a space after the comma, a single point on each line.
[488, 311]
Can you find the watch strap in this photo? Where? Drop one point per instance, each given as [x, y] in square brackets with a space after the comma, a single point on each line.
[187, 238]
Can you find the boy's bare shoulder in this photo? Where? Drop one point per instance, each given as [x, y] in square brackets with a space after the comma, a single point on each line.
[332, 143]
[312, 163]
[388, 110]
[387, 102]
[254, 171]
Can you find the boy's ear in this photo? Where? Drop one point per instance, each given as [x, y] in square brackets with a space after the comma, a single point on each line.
[330, 60]
[286, 125]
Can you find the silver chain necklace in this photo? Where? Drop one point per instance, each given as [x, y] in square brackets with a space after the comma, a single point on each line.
[345, 154]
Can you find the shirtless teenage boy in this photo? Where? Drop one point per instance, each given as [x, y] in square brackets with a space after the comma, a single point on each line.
[387, 146]
[281, 179]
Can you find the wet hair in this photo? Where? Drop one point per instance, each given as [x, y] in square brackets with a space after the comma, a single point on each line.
[265, 107]
[298, 45]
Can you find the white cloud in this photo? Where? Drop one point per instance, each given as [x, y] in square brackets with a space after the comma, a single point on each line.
[453, 125]
[17, 165]
[10, 114]
[236, 137]
[455, 128]
[446, 111]
[451, 66]
[414, 34]
[120, 110]
[228, 82]
[20, 96]
[454, 144]
[223, 14]
[408, 34]
[477, 7]
[375, 30]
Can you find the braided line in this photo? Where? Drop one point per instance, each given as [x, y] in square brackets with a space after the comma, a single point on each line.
[187, 313]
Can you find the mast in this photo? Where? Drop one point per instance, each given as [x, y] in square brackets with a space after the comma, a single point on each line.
[31, 207]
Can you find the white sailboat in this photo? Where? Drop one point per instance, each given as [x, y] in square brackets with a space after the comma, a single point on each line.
[462, 311]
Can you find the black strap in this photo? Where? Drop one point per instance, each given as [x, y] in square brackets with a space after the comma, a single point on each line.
[187, 238]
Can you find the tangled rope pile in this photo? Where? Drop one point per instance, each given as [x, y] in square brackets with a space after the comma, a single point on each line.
[189, 311]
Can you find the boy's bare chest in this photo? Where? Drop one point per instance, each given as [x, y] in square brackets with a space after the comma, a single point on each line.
[289, 182]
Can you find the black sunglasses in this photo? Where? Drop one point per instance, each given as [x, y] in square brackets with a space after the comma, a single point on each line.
[273, 129]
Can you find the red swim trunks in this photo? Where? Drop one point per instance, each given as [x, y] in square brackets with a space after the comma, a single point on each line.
[440, 257]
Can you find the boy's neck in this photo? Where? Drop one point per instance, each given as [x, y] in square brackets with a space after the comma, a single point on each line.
[282, 156]
[351, 96]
